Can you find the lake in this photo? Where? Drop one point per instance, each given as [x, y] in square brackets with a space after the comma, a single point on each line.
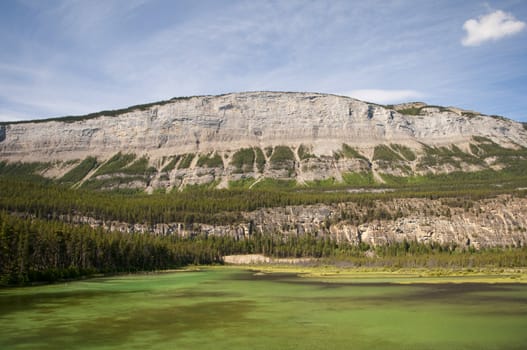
[228, 308]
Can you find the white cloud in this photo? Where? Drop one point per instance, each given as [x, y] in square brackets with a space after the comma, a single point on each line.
[384, 96]
[493, 26]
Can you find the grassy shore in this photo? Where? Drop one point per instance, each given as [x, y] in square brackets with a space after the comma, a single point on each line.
[336, 274]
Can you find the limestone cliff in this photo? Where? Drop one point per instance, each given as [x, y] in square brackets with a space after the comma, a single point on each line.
[195, 140]
[499, 221]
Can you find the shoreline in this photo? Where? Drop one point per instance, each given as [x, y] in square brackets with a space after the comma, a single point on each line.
[311, 268]
[334, 274]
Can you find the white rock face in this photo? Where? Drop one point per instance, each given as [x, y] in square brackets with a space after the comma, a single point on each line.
[233, 121]
[491, 222]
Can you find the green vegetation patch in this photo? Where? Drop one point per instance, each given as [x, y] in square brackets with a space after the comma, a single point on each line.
[324, 183]
[410, 111]
[474, 149]
[80, 171]
[469, 114]
[282, 157]
[433, 156]
[268, 151]
[25, 171]
[124, 174]
[242, 184]
[350, 152]
[396, 181]
[209, 186]
[124, 164]
[383, 152]
[516, 170]
[498, 117]
[273, 184]
[171, 165]
[457, 179]
[116, 164]
[22, 169]
[481, 139]
[243, 160]
[359, 179]
[260, 159]
[140, 167]
[210, 161]
[436, 156]
[488, 148]
[405, 151]
[186, 160]
[304, 153]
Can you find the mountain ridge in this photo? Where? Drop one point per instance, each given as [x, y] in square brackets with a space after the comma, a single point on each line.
[143, 106]
[299, 136]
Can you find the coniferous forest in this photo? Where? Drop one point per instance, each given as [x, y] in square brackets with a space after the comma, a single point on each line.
[39, 243]
[34, 250]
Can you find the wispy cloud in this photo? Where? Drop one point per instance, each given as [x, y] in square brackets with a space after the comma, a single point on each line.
[72, 57]
[491, 27]
[385, 96]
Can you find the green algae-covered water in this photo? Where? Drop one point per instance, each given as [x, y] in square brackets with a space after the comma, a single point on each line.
[224, 308]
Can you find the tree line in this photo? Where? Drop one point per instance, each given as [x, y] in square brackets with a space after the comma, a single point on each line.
[217, 207]
[41, 250]
[33, 250]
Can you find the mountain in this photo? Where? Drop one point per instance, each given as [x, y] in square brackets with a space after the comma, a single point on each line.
[249, 139]
[281, 174]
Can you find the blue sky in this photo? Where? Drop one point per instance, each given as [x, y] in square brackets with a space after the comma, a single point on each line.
[74, 57]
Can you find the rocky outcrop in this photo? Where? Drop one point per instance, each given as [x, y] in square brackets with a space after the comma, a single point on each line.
[251, 259]
[319, 137]
[500, 221]
[491, 222]
[255, 119]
